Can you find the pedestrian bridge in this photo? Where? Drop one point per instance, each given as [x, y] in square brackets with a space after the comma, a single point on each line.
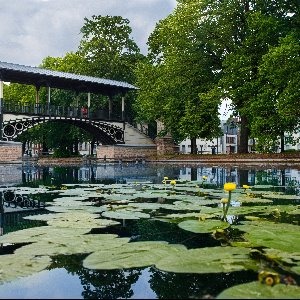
[106, 129]
[17, 120]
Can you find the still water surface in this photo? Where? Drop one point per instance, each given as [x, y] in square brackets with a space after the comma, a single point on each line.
[66, 278]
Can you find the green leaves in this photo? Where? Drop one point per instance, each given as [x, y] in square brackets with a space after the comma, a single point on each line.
[257, 290]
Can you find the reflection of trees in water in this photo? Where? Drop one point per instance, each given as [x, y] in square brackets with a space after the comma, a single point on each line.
[198, 286]
[153, 230]
[112, 284]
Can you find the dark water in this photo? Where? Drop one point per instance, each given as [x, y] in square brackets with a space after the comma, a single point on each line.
[66, 278]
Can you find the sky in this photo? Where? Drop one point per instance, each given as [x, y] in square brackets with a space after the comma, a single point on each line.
[31, 30]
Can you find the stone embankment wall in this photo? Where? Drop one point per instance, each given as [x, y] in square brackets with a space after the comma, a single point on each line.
[123, 152]
[10, 152]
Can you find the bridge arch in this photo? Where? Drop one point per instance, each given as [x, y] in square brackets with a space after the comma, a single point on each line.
[105, 133]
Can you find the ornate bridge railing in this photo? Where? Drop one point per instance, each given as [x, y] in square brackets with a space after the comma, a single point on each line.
[58, 111]
[10, 198]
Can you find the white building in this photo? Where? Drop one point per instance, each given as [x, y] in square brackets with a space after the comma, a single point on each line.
[228, 142]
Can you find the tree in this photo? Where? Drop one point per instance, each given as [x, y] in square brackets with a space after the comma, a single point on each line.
[217, 48]
[175, 81]
[276, 109]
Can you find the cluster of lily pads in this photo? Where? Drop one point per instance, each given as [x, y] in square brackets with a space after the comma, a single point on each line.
[264, 238]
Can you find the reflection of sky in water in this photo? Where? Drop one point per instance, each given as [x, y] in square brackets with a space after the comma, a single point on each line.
[141, 288]
[54, 284]
[59, 284]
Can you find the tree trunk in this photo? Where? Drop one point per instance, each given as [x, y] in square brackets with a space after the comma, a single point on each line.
[193, 146]
[243, 136]
[282, 142]
[76, 149]
[92, 147]
[194, 172]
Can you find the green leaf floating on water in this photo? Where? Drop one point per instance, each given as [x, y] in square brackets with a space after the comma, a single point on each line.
[73, 245]
[203, 226]
[131, 255]
[257, 290]
[280, 196]
[40, 233]
[125, 214]
[26, 265]
[281, 236]
[208, 260]
[287, 260]
[74, 219]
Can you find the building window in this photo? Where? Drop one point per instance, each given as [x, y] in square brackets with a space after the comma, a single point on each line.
[230, 140]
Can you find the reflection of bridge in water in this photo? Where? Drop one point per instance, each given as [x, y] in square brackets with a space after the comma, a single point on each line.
[13, 199]
[96, 173]
[13, 206]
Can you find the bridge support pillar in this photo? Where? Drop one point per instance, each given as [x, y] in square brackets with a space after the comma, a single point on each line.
[10, 152]
[1, 109]
[165, 146]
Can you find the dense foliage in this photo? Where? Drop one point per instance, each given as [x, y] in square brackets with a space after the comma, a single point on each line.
[208, 51]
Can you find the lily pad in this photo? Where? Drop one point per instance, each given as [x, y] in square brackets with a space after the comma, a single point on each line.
[257, 290]
[36, 234]
[208, 260]
[284, 237]
[73, 245]
[131, 255]
[203, 226]
[27, 265]
[125, 214]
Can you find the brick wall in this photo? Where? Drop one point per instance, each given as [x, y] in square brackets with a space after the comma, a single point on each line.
[116, 152]
[10, 152]
[165, 145]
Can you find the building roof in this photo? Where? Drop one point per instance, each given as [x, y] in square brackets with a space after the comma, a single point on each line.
[43, 77]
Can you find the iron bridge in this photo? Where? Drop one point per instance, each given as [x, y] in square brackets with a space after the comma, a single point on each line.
[104, 132]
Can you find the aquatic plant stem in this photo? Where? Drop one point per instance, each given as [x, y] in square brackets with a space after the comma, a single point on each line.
[225, 208]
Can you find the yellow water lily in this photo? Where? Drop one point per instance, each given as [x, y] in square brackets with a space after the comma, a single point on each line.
[229, 186]
[269, 278]
[245, 186]
[204, 177]
[224, 200]
[173, 182]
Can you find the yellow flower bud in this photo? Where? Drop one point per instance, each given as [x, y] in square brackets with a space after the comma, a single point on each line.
[166, 178]
[204, 177]
[269, 281]
[224, 200]
[245, 186]
[229, 186]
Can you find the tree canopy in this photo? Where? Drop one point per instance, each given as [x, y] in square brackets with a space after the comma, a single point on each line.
[207, 51]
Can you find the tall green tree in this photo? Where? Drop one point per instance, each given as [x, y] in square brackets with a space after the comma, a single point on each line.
[276, 109]
[222, 44]
[180, 71]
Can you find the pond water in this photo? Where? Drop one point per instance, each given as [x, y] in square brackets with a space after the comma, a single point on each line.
[112, 231]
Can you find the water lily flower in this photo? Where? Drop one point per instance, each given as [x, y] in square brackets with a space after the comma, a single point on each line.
[229, 186]
[204, 177]
[173, 182]
[224, 200]
[245, 186]
[269, 278]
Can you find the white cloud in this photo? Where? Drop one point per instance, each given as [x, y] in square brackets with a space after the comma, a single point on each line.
[30, 30]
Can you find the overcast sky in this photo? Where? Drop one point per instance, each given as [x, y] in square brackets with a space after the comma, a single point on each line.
[31, 30]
